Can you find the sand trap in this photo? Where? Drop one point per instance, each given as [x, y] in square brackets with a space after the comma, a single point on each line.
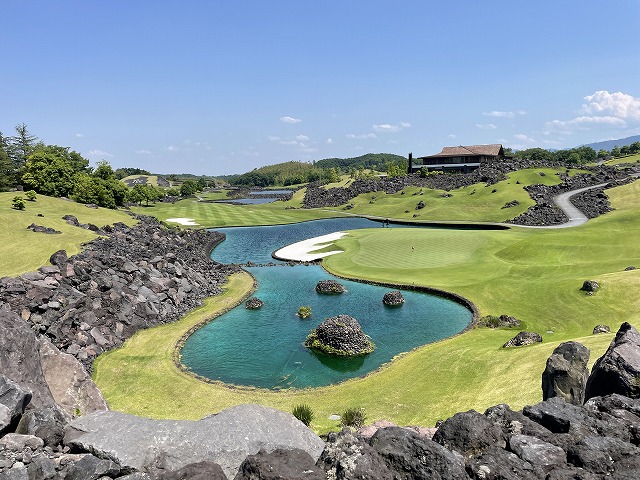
[190, 222]
[303, 251]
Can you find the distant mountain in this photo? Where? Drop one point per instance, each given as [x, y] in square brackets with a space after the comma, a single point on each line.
[609, 144]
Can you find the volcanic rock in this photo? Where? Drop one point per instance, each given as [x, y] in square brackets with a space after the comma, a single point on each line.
[566, 373]
[590, 286]
[330, 287]
[523, 338]
[253, 303]
[618, 370]
[601, 329]
[340, 335]
[393, 299]
[492, 321]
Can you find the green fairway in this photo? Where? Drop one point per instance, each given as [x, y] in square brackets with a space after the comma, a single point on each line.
[22, 250]
[627, 159]
[224, 215]
[532, 274]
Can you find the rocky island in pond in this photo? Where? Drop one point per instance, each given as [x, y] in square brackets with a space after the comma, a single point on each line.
[330, 287]
[341, 335]
[393, 299]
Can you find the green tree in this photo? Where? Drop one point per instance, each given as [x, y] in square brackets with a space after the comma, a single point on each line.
[104, 171]
[77, 162]
[31, 195]
[7, 171]
[21, 146]
[602, 153]
[49, 174]
[615, 151]
[189, 187]
[333, 175]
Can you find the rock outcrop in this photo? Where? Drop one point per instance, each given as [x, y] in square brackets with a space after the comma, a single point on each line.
[330, 287]
[253, 303]
[226, 438]
[618, 370]
[341, 335]
[393, 299]
[566, 373]
[589, 286]
[522, 339]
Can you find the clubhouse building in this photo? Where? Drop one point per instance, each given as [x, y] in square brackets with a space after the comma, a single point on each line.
[462, 159]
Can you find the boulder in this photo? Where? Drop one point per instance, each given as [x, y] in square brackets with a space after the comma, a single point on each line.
[469, 433]
[90, 467]
[226, 438]
[601, 329]
[503, 321]
[19, 358]
[340, 335]
[253, 303]
[15, 399]
[590, 286]
[330, 287]
[70, 384]
[566, 373]
[629, 268]
[537, 452]
[393, 299]
[47, 423]
[618, 370]
[280, 464]
[523, 338]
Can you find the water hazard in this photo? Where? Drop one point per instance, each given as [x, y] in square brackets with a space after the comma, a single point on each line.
[264, 348]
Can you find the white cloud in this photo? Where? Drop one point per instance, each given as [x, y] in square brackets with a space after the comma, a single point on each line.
[452, 135]
[79, 135]
[524, 138]
[143, 152]
[172, 148]
[388, 128]
[364, 135]
[500, 114]
[619, 105]
[99, 153]
[290, 120]
[274, 139]
[486, 126]
[329, 140]
[585, 121]
[288, 142]
[302, 138]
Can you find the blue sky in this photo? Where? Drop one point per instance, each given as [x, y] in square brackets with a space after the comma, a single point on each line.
[218, 87]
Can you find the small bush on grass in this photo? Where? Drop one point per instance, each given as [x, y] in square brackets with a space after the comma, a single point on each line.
[31, 195]
[18, 203]
[303, 413]
[352, 417]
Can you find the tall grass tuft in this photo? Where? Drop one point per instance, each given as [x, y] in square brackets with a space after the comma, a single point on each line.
[304, 413]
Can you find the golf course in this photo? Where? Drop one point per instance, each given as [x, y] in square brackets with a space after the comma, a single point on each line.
[534, 275]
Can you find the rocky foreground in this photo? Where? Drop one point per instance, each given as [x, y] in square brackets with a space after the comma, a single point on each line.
[54, 423]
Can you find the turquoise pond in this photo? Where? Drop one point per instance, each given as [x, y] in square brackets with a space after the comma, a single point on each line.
[264, 348]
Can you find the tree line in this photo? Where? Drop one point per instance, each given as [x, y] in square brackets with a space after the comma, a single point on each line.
[58, 171]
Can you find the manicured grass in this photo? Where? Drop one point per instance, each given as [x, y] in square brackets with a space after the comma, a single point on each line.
[627, 159]
[225, 215]
[22, 250]
[534, 275]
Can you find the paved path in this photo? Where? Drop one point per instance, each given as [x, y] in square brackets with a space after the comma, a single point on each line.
[576, 217]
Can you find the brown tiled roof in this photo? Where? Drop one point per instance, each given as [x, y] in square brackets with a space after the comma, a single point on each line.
[469, 150]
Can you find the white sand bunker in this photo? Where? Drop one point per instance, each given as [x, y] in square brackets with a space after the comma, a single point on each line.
[303, 251]
[190, 222]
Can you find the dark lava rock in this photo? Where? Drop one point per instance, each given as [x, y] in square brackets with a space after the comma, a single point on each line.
[47, 423]
[590, 286]
[59, 258]
[280, 464]
[420, 205]
[469, 433]
[601, 329]
[618, 370]
[39, 228]
[522, 339]
[566, 373]
[393, 299]
[13, 400]
[629, 268]
[492, 321]
[512, 203]
[340, 335]
[92, 468]
[330, 287]
[253, 303]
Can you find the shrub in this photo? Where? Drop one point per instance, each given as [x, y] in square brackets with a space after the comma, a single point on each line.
[304, 312]
[303, 413]
[18, 203]
[31, 195]
[352, 417]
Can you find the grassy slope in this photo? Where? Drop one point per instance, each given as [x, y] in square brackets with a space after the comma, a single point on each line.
[22, 250]
[532, 274]
[627, 159]
[224, 215]
[473, 203]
